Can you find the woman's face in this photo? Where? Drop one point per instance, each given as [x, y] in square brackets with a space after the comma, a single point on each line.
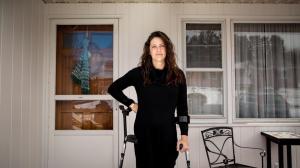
[157, 50]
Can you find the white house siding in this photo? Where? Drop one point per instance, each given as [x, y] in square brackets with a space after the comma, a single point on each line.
[136, 21]
[23, 121]
[245, 136]
[21, 61]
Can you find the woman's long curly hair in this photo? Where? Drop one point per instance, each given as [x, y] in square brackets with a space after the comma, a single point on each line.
[174, 75]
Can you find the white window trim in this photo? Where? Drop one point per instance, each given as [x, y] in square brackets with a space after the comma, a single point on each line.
[52, 75]
[228, 66]
[231, 73]
[202, 119]
[49, 86]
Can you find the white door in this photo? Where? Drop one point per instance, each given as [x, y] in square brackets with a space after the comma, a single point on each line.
[83, 125]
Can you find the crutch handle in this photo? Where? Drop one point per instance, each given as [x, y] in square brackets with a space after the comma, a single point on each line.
[187, 156]
[125, 114]
[124, 111]
[127, 138]
[180, 146]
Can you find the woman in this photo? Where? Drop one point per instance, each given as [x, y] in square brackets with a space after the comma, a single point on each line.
[161, 88]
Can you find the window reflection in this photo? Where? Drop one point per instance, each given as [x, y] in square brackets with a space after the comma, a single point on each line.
[267, 70]
[84, 115]
[205, 93]
[84, 60]
[203, 45]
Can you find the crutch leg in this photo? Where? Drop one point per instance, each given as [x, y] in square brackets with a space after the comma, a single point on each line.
[127, 138]
[122, 155]
[187, 157]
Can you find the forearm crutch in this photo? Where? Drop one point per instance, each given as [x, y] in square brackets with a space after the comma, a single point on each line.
[184, 119]
[127, 138]
[187, 157]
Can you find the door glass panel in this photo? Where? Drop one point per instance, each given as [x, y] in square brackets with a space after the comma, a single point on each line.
[84, 115]
[84, 59]
[84, 66]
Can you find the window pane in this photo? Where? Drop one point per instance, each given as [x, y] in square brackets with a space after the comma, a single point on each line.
[84, 60]
[84, 115]
[203, 46]
[205, 93]
[267, 70]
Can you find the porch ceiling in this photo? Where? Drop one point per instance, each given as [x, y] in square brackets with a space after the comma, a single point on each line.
[178, 1]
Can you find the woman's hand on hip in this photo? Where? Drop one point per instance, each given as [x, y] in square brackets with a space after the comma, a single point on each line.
[134, 107]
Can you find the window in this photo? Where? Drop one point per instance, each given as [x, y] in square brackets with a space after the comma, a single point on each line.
[267, 70]
[204, 69]
[84, 70]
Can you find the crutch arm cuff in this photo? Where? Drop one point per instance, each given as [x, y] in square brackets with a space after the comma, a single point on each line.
[183, 119]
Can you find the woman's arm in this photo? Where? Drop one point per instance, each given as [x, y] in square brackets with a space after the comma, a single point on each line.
[183, 117]
[117, 87]
[182, 108]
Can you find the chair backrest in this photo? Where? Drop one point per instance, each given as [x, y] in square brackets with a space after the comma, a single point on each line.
[219, 146]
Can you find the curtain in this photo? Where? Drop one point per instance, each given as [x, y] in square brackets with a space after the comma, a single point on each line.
[267, 70]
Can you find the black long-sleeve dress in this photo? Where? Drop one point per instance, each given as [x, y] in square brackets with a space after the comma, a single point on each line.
[155, 126]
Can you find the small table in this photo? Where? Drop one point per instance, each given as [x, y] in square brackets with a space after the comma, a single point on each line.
[281, 138]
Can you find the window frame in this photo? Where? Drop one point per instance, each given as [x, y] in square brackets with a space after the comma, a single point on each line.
[53, 97]
[228, 66]
[198, 119]
[232, 71]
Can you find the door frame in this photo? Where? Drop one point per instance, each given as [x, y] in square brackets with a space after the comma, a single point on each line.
[49, 97]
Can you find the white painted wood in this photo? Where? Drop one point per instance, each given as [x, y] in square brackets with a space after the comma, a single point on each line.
[24, 50]
[176, 1]
[138, 20]
[61, 141]
[16, 84]
[75, 154]
[3, 127]
[2, 140]
[6, 63]
[18, 110]
[296, 162]
[37, 84]
[25, 86]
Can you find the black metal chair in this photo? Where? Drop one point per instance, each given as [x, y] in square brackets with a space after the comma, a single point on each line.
[219, 146]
